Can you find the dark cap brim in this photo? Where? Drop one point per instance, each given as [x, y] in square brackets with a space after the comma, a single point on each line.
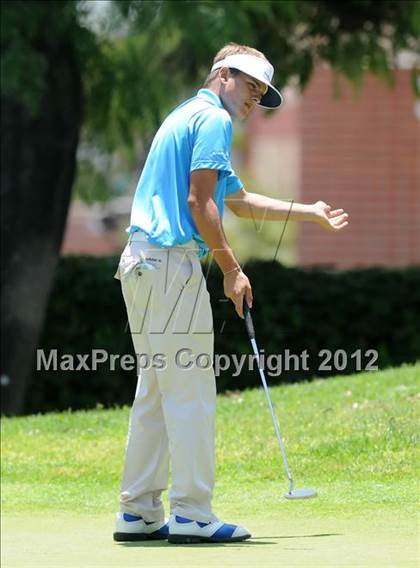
[271, 99]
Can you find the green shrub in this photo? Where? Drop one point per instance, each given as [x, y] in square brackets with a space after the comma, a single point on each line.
[294, 309]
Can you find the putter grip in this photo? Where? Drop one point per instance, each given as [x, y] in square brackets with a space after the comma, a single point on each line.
[248, 321]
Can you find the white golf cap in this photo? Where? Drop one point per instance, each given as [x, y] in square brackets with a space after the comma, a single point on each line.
[258, 68]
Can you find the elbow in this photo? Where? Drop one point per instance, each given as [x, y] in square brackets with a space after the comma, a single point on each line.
[194, 206]
[192, 203]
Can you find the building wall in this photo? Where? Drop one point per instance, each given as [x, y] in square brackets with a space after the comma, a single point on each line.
[362, 153]
[86, 234]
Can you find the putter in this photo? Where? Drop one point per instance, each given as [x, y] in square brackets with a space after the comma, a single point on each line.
[292, 493]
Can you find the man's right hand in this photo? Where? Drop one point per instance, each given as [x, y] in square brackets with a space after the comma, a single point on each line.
[236, 285]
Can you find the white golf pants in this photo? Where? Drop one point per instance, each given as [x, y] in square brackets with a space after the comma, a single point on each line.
[172, 418]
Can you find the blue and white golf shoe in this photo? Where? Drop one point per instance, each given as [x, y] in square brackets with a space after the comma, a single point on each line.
[133, 528]
[188, 531]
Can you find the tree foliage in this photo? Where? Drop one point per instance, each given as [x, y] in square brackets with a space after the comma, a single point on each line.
[150, 53]
[166, 47]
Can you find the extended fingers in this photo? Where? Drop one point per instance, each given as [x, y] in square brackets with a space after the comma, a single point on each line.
[336, 212]
[339, 222]
[341, 225]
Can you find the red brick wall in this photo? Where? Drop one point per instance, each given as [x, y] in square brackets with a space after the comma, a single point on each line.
[85, 234]
[362, 153]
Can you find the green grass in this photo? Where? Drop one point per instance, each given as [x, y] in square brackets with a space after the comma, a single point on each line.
[351, 437]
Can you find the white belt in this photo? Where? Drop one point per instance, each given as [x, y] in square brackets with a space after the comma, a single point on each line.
[139, 236]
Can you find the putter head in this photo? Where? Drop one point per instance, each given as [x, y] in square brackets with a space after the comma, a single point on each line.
[301, 494]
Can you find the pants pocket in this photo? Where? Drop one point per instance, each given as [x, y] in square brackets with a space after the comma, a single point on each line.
[137, 258]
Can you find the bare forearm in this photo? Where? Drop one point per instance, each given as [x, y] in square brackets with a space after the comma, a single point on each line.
[207, 219]
[257, 206]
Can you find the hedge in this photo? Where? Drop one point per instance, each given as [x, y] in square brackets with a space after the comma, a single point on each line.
[302, 311]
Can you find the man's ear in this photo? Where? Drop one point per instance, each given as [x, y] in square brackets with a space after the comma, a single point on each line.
[224, 75]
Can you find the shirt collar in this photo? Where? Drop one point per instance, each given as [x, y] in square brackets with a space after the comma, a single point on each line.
[210, 97]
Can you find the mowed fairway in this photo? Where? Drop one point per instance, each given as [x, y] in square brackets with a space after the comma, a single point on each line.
[351, 437]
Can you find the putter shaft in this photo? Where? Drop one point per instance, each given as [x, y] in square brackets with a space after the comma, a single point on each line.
[273, 416]
[293, 493]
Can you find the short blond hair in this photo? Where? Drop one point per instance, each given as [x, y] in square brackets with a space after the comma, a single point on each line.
[231, 49]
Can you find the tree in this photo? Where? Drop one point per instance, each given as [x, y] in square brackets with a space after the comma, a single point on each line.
[59, 75]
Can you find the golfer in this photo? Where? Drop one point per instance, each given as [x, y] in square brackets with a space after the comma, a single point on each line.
[176, 219]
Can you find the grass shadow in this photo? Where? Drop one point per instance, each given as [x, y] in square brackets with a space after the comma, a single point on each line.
[300, 536]
[262, 540]
[164, 543]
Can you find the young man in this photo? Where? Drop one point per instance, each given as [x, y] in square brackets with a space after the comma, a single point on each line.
[176, 219]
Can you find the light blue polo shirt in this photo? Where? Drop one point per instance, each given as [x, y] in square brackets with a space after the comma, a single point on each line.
[196, 135]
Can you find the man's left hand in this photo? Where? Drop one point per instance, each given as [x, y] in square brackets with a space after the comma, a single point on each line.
[332, 220]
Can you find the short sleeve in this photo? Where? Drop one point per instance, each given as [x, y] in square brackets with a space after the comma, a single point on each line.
[212, 137]
[233, 183]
